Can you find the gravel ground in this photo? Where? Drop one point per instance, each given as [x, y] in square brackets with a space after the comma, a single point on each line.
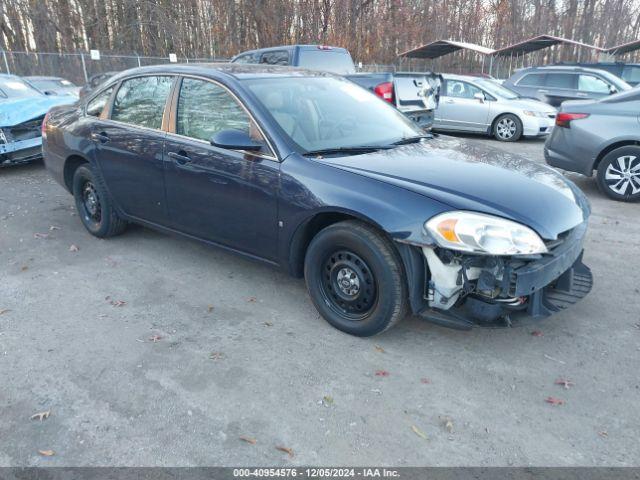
[148, 350]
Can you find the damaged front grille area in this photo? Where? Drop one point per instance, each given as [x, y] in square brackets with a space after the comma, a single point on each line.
[23, 131]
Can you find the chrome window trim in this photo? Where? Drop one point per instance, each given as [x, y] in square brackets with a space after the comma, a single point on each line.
[274, 155]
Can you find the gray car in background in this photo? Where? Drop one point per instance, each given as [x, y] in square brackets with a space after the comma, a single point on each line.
[555, 84]
[482, 105]
[601, 135]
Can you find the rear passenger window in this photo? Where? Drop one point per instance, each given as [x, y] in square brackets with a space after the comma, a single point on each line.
[140, 101]
[532, 80]
[279, 57]
[561, 80]
[248, 58]
[96, 106]
[631, 74]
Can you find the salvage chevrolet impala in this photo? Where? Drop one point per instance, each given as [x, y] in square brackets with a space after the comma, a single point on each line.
[314, 174]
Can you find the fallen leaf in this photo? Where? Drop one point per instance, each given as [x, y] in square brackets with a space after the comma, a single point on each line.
[53, 227]
[155, 338]
[548, 357]
[286, 450]
[24, 268]
[5, 310]
[426, 381]
[40, 235]
[537, 333]
[115, 303]
[46, 453]
[379, 348]
[251, 299]
[41, 415]
[327, 399]
[268, 324]
[418, 432]
[382, 373]
[448, 424]
[73, 248]
[250, 440]
[566, 383]
[603, 434]
[554, 401]
[216, 355]
[210, 308]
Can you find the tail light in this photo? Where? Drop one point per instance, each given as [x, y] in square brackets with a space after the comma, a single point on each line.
[385, 91]
[564, 119]
[43, 128]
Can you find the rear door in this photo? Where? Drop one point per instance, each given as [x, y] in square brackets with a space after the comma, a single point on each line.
[129, 146]
[226, 196]
[459, 109]
[560, 86]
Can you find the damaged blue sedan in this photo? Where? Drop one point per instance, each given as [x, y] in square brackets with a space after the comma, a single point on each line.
[22, 109]
[311, 173]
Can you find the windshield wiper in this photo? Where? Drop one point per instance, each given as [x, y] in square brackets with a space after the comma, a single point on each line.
[348, 150]
[408, 140]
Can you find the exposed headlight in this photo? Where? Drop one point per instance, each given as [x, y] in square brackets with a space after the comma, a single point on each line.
[483, 234]
[535, 114]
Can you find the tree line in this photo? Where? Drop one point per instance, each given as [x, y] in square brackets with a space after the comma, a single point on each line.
[375, 31]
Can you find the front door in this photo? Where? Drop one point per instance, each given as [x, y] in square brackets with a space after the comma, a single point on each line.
[129, 146]
[226, 196]
[460, 110]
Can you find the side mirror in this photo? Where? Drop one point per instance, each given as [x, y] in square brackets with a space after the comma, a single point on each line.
[612, 90]
[49, 92]
[233, 139]
[479, 96]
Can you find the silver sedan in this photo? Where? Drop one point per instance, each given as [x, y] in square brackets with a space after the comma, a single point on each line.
[480, 105]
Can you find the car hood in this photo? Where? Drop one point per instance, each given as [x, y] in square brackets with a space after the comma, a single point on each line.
[467, 176]
[532, 105]
[14, 111]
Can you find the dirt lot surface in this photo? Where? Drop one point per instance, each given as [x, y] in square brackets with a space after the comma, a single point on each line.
[152, 350]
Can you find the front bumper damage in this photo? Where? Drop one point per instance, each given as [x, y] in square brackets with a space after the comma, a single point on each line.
[462, 290]
[21, 143]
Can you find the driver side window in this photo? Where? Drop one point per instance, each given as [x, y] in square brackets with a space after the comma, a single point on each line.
[458, 89]
[205, 108]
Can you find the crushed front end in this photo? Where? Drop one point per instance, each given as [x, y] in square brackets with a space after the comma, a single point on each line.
[21, 143]
[465, 290]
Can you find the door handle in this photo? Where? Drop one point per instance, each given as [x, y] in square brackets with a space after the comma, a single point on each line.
[181, 157]
[449, 101]
[100, 137]
[583, 95]
[543, 91]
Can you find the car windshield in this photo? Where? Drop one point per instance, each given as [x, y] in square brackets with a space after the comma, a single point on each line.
[320, 113]
[496, 89]
[14, 87]
[617, 82]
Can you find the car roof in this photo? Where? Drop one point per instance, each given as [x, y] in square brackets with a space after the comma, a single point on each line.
[453, 76]
[40, 77]
[560, 68]
[236, 70]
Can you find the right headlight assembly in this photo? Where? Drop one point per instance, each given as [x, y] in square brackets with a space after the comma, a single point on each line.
[483, 234]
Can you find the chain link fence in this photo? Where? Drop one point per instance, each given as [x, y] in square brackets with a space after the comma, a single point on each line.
[79, 67]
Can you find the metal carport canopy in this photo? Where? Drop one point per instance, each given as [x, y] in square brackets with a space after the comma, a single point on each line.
[444, 47]
[624, 48]
[538, 43]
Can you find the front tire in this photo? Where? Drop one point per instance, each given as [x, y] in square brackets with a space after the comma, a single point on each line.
[355, 279]
[619, 174]
[508, 128]
[94, 205]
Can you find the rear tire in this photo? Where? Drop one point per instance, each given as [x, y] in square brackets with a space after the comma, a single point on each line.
[508, 128]
[94, 205]
[355, 279]
[619, 174]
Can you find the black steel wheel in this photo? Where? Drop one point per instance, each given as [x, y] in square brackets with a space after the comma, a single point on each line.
[355, 278]
[94, 205]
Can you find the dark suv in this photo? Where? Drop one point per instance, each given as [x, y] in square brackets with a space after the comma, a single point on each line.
[555, 84]
[629, 72]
